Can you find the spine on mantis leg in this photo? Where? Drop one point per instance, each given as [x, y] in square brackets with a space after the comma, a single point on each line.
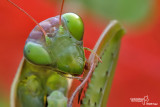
[107, 48]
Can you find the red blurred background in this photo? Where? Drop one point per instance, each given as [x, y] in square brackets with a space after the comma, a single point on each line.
[138, 69]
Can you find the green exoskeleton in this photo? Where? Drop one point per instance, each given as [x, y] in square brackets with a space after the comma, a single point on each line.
[107, 47]
[54, 52]
[51, 47]
[61, 48]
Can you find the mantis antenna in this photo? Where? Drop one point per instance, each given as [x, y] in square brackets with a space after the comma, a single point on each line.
[61, 12]
[29, 17]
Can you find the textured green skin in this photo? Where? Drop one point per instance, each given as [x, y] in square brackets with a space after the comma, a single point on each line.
[36, 82]
[67, 53]
[99, 87]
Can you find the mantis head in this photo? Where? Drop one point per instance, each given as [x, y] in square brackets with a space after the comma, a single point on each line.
[61, 46]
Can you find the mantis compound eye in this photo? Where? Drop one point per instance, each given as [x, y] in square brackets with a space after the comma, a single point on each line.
[74, 24]
[36, 54]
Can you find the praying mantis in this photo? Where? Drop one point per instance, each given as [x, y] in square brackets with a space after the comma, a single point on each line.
[54, 55]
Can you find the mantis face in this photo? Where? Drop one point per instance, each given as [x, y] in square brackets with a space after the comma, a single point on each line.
[61, 48]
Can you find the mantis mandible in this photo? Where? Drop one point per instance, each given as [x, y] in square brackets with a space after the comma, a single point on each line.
[53, 53]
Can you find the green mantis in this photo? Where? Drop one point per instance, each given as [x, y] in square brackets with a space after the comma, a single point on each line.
[61, 48]
[53, 52]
